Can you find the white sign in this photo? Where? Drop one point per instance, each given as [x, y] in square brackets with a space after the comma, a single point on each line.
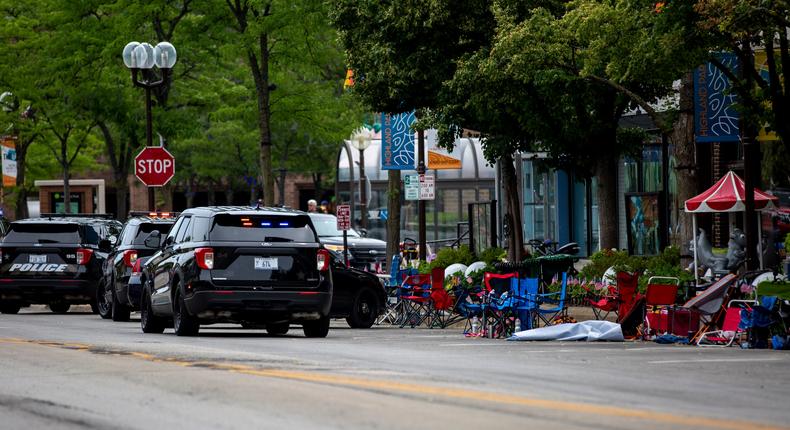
[412, 186]
[427, 187]
[343, 217]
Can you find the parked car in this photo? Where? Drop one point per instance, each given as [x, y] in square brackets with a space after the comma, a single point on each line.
[251, 266]
[56, 260]
[359, 296]
[114, 300]
[364, 253]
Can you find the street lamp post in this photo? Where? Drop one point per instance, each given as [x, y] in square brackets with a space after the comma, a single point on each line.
[143, 56]
[361, 139]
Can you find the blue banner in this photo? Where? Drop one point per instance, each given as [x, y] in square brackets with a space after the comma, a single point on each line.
[397, 141]
[715, 116]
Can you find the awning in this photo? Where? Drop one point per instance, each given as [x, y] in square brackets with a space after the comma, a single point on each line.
[729, 195]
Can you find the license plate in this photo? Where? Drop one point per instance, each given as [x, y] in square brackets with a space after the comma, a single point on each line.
[262, 263]
[38, 259]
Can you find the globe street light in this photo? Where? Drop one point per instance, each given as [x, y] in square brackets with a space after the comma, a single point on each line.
[143, 56]
[361, 139]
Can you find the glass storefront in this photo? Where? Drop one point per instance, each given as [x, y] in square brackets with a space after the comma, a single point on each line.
[455, 189]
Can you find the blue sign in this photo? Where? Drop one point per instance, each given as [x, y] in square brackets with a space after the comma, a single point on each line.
[397, 141]
[715, 117]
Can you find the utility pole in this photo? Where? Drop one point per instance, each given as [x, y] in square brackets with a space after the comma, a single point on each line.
[751, 169]
[421, 203]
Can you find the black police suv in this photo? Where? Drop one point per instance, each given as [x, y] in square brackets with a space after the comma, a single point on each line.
[364, 253]
[252, 266]
[115, 300]
[54, 260]
[358, 296]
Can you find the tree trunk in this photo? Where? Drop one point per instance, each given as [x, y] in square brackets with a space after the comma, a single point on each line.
[121, 184]
[66, 176]
[21, 192]
[212, 198]
[260, 74]
[685, 164]
[515, 233]
[393, 214]
[606, 173]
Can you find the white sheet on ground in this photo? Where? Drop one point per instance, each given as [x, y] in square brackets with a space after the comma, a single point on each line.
[585, 330]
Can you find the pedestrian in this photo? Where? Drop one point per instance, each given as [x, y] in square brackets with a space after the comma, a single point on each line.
[312, 206]
[324, 207]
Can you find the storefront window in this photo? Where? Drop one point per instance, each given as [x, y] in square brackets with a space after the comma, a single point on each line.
[539, 202]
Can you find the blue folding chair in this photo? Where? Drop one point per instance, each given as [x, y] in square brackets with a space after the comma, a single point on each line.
[394, 312]
[527, 302]
[499, 308]
[555, 301]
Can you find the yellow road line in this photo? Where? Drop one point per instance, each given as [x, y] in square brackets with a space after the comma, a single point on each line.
[433, 390]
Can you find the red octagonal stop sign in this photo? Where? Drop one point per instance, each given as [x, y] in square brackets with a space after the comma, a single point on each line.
[154, 166]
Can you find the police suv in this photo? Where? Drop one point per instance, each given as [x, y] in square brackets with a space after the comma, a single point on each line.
[55, 261]
[115, 299]
[250, 266]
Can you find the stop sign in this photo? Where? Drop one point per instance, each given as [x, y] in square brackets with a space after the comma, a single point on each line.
[154, 166]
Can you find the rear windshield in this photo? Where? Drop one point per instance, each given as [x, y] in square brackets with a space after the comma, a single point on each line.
[147, 228]
[43, 233]
[259, 228]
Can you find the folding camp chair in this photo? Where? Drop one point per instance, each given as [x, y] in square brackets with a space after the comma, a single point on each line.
[497, 302]
[733, 327]
[619, 300]
[526, 302]
[660, 298]
[394, 311]
[603, 304]
[415, 297]
[500, 307]
[709, 303]
[555, 301]
[442, 303]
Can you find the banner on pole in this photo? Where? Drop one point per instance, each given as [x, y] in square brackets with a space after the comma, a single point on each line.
[9, 161]
[715, 116]
[397, 141]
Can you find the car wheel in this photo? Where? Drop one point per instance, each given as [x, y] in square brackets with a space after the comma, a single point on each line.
[316, 328]
[278, 329]
[9, 308]
[104, 300]
[59, 307]
[120, 312]
[149, 322]
[183, 323]
[365, 309]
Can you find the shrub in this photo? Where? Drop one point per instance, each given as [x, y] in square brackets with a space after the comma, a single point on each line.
[448, 256]
[492, 255]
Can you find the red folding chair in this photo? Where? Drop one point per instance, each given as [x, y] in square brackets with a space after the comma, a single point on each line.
[442, 303]
[731, 330]
[660, 299]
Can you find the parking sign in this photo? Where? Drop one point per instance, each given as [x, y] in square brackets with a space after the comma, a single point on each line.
[343, 217]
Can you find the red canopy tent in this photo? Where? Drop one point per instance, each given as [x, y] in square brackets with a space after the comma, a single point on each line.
[727, 195]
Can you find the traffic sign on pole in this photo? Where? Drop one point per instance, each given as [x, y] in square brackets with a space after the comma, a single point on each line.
[343, 217]
[412, 187]
[427, 187]
[154, 166]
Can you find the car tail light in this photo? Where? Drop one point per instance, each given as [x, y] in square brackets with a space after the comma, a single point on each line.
[205, 258]
[322, 260]
[129, 258]
[84, 256]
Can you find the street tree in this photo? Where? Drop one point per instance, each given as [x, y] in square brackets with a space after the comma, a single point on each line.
[401, 54]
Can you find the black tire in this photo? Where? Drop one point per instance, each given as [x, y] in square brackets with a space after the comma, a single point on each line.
[149, 322]
[278, 329]
[120, 312]
[183, 323]
[316, 328]
[59, 307]
[364, 310]
[9, 308]
[104, 300]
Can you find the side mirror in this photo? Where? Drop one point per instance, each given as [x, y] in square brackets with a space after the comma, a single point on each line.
[154, 239]
[113, 240]
[363, 232]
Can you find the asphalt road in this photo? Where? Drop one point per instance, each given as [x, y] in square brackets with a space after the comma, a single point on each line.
[78, 371]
